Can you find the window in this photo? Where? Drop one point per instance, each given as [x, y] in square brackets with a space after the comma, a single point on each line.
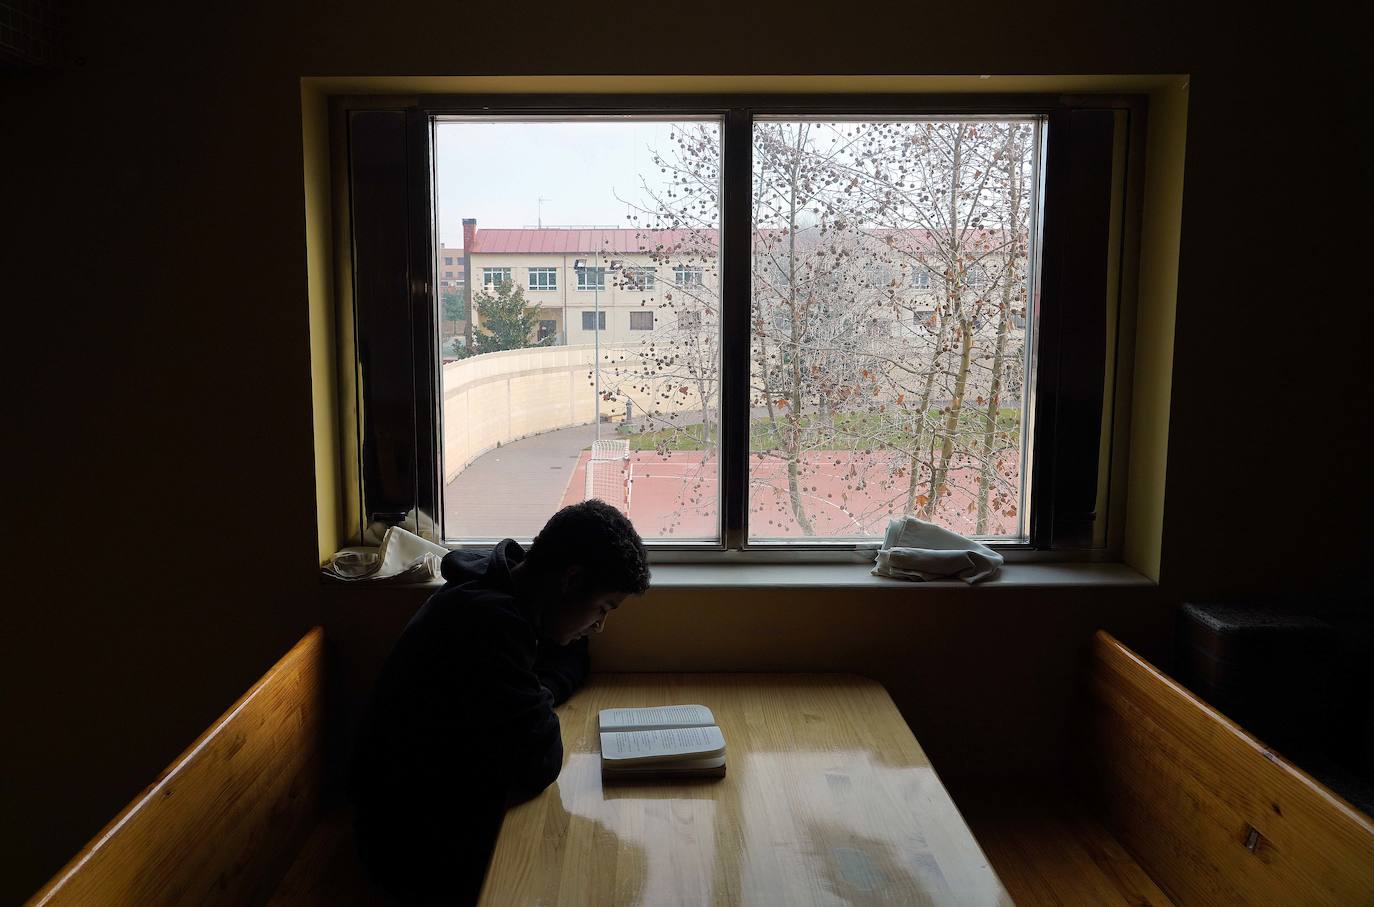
[845, 440]
[684, 276]
[640, 278]
[591, 278]
[448, 259]
[543, 278]
[795, 405]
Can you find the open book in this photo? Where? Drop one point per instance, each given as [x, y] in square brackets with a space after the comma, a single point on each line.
[668, 741]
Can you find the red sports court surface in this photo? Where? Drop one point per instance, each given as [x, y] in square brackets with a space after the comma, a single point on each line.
[845, 493]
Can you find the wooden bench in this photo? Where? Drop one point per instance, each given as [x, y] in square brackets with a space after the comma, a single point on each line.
[226, 821]
[1180, 806]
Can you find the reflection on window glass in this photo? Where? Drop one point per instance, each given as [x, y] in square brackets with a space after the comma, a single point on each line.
[559, 383]
[888, 351]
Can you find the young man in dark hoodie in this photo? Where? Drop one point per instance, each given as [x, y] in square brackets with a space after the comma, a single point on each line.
[461, 722]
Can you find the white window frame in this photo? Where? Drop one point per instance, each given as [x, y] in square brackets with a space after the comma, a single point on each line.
[489, 280]
[640, 279]
[642, 313]
[684, 276]
[547, 285]
[584, 284]
[598, 319]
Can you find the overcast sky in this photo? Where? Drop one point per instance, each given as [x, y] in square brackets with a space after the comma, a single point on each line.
[497, 172]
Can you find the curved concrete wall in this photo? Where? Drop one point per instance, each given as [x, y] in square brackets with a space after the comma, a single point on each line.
[496, 398]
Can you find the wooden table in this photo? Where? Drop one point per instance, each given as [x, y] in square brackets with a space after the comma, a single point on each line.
[828, 799]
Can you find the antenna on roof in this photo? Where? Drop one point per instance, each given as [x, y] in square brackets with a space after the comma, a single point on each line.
[539, 210]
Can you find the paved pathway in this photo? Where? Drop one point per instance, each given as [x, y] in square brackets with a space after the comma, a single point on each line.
[514, 489]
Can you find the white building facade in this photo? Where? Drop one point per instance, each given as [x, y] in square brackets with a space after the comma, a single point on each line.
[625, 285]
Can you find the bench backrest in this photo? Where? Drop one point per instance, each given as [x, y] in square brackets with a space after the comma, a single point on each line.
[1213, 815]
[221, 824]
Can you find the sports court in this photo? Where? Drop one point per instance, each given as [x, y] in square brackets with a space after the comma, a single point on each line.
[844, 493]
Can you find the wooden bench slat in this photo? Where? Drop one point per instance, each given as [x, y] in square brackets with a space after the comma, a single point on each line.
[223, 820]
[1211, 813]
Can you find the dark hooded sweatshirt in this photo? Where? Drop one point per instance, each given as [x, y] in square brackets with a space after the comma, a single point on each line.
[461, 722]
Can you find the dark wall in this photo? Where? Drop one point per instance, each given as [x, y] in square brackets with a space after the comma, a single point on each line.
[161, 500]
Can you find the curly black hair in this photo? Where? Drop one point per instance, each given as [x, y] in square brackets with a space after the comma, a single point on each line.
[599, 539]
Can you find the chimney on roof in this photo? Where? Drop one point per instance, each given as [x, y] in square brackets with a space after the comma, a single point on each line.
[469, 241]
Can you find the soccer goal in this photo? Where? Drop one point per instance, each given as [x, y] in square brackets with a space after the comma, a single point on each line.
[608, 474]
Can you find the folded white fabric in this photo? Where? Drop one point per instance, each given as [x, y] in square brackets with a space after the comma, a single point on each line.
[916, 550]
[403, 557]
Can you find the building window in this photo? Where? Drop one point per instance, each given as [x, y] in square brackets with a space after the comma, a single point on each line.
[785, 424]
[684, 276]
[448, 259]
[640, 278]
[591, 278]
[543, 278]
[493, 276]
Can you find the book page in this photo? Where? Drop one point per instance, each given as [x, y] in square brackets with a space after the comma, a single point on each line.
[662, 744]
[658, 717]
[685, 765]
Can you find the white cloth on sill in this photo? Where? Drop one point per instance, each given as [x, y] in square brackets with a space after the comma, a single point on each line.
[916, 550]
[403, 557]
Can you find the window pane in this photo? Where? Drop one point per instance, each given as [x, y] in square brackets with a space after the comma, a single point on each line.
[889, 353]
[562, 384]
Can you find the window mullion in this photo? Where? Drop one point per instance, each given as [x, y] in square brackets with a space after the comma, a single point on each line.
[736, 226]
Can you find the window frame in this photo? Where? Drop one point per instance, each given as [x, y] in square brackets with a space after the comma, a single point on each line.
[1051, 435]
[598, 320]
[550, 272]
[642, 312]
[585, 286]
[639, 279]
[488, 283]
[688, 276]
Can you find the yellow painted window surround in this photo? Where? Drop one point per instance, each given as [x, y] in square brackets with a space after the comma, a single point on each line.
[1150, 366]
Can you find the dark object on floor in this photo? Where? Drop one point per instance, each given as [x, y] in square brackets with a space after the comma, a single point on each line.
[1297, 680]
[1269, 670]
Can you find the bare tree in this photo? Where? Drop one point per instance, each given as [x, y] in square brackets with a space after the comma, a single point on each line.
[886, 313]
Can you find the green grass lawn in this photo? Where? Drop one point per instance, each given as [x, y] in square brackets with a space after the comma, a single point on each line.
[850, 431]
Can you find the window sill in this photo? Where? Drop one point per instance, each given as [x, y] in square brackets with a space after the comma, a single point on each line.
[857, 576]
